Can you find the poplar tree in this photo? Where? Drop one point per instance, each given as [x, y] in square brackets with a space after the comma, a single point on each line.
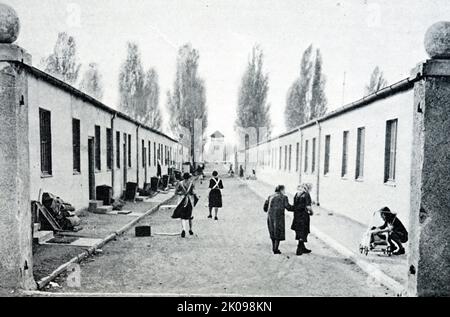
[63, 62]
[253, 110]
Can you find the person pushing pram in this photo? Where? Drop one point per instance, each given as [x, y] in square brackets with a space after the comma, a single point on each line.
[392, 234]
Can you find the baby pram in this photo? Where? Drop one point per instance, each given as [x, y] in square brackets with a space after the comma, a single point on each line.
[373, 241]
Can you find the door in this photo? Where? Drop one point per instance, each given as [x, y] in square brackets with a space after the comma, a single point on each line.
[91, 163]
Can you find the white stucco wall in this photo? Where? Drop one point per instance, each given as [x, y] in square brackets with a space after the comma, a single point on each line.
[74, 187]
[356, 199]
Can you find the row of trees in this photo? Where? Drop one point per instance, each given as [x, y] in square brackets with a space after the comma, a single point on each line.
[139, 90]
[306, 98]
[63, 63]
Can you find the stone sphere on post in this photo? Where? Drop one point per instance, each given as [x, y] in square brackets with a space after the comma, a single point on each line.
[437, 40]
[9, 24]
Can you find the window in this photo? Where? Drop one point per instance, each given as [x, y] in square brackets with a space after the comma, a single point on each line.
[297, 158]
[76, 145]
[313, 159]
[290, 157]
[109, 149]
[344, 153]
[360, 149]
[390, 151]
[149, 153]
[326, 169]
[98, 152]
[285, 157]
[154, 154]
[143, 150]
[129, 150]
[279, 158]
[118, 149]
[306, 155]
[46, 141]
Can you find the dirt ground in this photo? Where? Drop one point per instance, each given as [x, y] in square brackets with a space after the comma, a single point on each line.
[231, 256]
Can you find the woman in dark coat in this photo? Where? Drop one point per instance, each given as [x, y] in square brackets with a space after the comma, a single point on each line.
[215, 195]
[185, 208]
[302, 213]
[275, 206]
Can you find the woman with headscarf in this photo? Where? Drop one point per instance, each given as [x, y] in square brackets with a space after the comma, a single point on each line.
[302, 213]
[215, 195]
[275, 206]
[185, 208]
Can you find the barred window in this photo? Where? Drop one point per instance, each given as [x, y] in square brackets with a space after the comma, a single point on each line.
[129, 150]
[144, 159]
[279, 158]
[76, 145]
[306, 156]
[290, 157]
[118, 149]
[149, 153]
[326, 169]
[98, 151]
[109, 149]
[390, 155]
[313, 159]
[46, 141]
[344, 171]
[360, 149]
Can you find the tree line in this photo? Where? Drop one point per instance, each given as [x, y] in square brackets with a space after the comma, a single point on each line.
[306, 98]
[139, 89]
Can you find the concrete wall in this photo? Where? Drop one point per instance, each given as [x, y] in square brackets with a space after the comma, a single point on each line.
[354, 198]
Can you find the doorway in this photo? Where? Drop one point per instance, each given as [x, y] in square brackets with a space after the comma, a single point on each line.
[91, 163]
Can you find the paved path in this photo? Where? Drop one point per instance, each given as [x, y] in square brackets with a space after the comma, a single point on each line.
[232, 257]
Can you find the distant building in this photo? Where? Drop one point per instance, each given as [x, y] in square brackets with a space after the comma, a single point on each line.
[216, 149]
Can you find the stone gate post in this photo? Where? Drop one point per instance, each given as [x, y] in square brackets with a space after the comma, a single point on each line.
[429, 259]
[16, 265]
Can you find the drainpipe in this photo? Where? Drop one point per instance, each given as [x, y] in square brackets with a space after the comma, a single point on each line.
[137, 154]
[319, 145]
[113, 156]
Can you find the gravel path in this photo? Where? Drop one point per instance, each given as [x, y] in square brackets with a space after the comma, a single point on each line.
[232, 256]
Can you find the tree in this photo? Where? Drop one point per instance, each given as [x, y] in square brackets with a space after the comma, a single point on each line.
[63, 63]
[131, 83]
[151, 100]
[187, 101]
[318, 104]
[253, 110]
[91, 82]
[296, 112]
[377, 81]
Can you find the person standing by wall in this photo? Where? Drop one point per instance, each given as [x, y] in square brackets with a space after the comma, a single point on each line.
[215, 195]
[302, 217]
[184, 210]
[275, 206]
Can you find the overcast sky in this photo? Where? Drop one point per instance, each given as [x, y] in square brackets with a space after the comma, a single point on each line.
[354, 37]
